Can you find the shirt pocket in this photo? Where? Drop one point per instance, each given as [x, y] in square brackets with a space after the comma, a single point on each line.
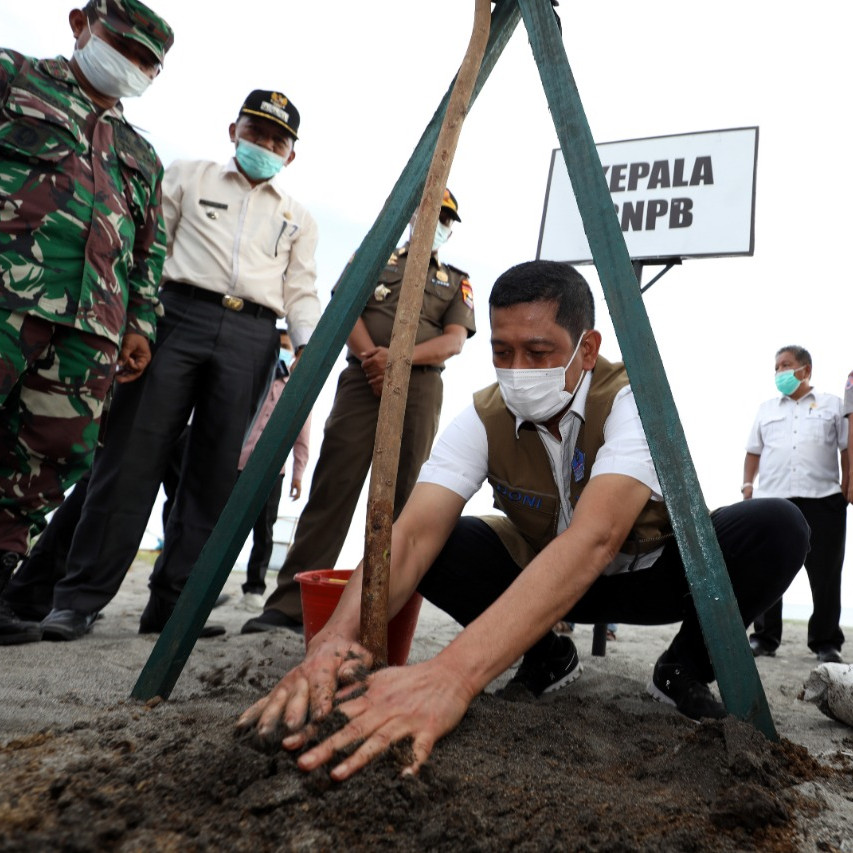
[438, 296]
[774, 430]
[35, 142]
[282, 234]
[443, 291]
[819, 427]
[138, 171]
[32, 130]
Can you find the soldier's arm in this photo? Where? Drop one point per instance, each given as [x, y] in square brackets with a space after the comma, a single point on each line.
[149, 252]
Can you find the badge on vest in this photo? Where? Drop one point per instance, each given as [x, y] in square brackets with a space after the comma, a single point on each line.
[578, 467]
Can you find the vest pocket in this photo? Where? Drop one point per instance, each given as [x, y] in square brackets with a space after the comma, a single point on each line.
[534, 513]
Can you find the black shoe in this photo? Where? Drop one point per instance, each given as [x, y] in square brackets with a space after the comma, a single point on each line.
[271, 620]
[8, 563]
[545, 676]
[760, 648]
[676, 684]
[14, 631]
[157, 613]
[67, 624]
[829, 654]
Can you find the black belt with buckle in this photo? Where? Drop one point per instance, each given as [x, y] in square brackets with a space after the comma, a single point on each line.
[416, 368]
[226, 300]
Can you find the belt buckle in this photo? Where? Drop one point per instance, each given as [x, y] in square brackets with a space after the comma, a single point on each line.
[233, 303]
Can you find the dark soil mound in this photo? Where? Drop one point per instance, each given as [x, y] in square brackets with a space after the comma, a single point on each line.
[562, 774]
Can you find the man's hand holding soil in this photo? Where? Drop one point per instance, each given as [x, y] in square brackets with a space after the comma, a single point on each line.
[424, 701]
[306, 694]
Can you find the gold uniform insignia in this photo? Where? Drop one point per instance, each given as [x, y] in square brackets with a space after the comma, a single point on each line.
[441, 275]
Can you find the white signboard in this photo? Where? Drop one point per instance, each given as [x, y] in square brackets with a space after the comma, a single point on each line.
[690, 195]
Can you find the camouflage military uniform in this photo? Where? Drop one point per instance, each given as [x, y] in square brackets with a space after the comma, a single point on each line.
[82, 245]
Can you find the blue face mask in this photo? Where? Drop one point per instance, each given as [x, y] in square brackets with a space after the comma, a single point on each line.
[286, 356]
[787, 382]
[257, 162]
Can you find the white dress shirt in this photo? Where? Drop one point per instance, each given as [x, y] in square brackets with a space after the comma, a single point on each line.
[459, 458]
[848, 396]
[798, 442]
[227, 236]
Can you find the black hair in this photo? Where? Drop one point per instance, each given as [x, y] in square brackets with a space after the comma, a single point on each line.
[548, 281]
[803, 356]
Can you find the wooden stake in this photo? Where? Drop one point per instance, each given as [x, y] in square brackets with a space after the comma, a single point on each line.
[392, 407]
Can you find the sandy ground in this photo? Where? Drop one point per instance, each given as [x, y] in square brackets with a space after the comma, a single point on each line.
[598, 766]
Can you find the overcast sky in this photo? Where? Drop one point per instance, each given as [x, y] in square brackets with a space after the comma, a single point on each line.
[366, 78]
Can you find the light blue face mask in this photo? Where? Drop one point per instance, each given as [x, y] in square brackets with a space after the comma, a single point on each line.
[257, 162]
[442, 235]
[286, 356]
[787, 382]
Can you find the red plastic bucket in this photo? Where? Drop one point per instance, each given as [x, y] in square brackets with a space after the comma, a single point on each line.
[321, 590]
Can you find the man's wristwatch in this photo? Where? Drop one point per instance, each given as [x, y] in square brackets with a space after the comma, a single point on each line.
[744, 487]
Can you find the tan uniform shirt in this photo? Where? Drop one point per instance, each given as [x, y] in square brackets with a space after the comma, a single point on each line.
[257, 243]
[448, 299]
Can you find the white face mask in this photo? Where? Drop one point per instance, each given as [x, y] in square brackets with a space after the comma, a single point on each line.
[539, 393]
[109, 71]
[442, 235]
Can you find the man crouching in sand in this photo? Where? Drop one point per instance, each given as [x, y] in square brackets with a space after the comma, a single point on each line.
[585, 538]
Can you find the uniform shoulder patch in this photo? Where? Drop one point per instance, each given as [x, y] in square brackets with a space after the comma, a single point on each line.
[467, 292]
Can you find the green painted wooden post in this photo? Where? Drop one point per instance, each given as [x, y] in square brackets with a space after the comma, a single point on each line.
[740, 686]
[173, 648]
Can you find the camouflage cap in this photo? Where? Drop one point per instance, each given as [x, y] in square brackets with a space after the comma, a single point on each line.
[134, 20]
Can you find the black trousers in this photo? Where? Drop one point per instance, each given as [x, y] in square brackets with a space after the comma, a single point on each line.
[763, 544]
[30, 592]
[827, 518]
[262, 544]
[209, 362]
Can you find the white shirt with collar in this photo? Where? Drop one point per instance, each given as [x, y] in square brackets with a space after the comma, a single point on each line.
[798, 442]
[460, 457]
[227, 236]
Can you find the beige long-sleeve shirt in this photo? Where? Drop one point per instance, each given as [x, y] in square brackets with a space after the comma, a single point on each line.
[227, 236]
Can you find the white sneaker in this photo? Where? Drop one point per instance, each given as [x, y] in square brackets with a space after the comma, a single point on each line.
[251, 601]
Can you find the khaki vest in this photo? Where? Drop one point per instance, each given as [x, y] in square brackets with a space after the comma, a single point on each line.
[523, 483]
